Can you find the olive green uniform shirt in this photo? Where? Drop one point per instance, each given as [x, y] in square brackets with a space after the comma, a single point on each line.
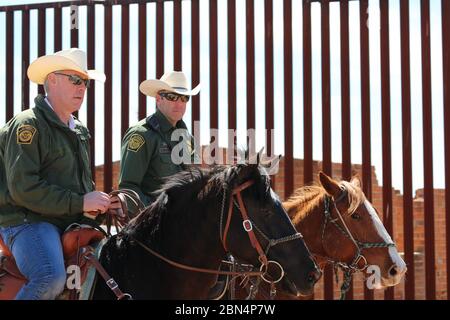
[44, 168]
[146, 155]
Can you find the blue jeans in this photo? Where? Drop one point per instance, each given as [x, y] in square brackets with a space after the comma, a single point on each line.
[39, 257]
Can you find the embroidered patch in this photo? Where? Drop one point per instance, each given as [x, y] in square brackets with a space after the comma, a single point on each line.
[25, 134]
[136, 142]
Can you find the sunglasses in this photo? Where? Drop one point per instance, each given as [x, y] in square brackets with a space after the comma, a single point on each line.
[170, 96]
[76, 80]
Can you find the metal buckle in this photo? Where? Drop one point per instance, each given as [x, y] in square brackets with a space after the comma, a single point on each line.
[247, 224]
[112, 284]
[357, 262]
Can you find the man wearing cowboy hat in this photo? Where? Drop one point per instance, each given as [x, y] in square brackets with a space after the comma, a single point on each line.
[147, 146]
[46, 181]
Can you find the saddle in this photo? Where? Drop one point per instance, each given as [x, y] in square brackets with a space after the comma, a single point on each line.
[77, 251]
[76, 245]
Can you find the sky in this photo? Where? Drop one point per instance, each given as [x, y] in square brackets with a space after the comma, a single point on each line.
[355, 99]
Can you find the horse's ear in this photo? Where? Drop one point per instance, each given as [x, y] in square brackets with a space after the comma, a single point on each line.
[271, 163]
[254, 159]
[330, 185]
[356, 181]
[258, 156]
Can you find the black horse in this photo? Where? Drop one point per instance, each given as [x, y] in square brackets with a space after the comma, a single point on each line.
[198, 216]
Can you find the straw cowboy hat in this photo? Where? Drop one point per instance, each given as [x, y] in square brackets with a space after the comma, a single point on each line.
[71, 59]
[173, 81]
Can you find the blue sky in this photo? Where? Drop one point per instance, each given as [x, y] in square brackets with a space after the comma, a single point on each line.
[375, 81]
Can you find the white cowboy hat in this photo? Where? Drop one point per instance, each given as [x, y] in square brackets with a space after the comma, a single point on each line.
[71, 59]
[173, 81]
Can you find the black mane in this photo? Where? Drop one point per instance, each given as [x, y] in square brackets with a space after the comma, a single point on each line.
[185, 193]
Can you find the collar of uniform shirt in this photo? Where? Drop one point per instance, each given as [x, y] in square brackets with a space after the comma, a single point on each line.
[71, 124]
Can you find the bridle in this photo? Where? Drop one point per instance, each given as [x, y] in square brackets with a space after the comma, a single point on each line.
[352, 267]
[249, 227]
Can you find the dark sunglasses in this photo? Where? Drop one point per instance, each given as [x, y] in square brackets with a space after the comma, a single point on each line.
[173, 96]
[76, 80]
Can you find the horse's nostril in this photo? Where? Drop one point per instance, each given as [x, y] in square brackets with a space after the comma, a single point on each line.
[393, 271]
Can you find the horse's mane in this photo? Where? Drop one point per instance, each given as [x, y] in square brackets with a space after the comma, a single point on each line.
[303, 201]
[184, 190]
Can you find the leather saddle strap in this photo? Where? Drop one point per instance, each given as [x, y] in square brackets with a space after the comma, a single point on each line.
[110, 282]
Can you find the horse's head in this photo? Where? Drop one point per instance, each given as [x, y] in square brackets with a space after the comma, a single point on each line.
[257, 230]
[353, 233]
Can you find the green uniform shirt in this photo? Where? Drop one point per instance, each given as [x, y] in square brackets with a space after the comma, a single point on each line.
[44, 168]
[146, 155]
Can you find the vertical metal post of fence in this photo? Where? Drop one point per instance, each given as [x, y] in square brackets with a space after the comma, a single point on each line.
[74, 43]
[408, 226]
[25, 59]
[9, 65]
[250, 65]
[142, 57]
[177, 33]
[57, 28]
[345, 93]
[365, 109]
[125, 79]
[345, 102]
[288, 104]
[91, 90]
[159, 39]
[195, 57]
[446, 86]
[388, 208]
[268, 49]
[108, 170]
[430, 275]
[231, 13]
[41, 40]
[307, 96]
[74, 20]
[213, 64]
[326, 121]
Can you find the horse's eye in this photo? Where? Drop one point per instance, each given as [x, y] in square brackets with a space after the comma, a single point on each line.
[356, 216]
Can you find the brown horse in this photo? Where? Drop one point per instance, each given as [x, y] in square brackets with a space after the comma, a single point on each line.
[340, 226]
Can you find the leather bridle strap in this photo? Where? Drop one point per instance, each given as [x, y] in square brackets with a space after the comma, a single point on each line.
[227, 225]
[189, 268]
[247, 224]
[236, 190]
[110, 282]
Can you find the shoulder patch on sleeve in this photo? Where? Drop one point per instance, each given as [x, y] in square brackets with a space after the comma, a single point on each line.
[25, 134]
[136, 142]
